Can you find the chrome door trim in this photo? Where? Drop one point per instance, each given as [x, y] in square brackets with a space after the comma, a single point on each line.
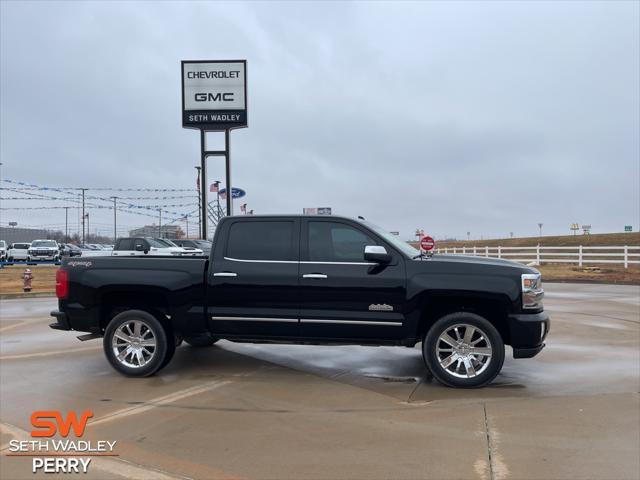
[295, 261]
[259, 261]
[351, 322]
[225, 274]
[314, 275]
[337, 263]
[256, 319]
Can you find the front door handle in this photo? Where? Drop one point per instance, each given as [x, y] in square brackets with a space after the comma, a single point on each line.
[314, 275]
[225, 274]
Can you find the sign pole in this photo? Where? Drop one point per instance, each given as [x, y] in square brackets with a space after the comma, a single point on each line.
[203, 183]
[227, 158]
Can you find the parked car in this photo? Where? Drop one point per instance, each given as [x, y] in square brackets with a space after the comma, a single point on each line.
[19, 251]
[3, 250]
[204, 245]
[70, 250]
[308, 280]
[137, 246]
[93, 251]
[192, 251]
[44, 250]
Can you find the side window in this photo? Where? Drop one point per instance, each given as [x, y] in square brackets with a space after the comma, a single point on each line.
[141, 244]
[336, 242]
[125, 244]
[261, 241]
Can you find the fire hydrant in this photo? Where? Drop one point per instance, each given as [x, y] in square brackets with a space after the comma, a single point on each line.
[27, 276]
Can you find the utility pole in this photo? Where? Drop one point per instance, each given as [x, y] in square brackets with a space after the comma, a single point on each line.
[83, 190]
[199, 205]
[66, 224]
[540, 229]
[115, 235]
[88, 230]
[160, 223]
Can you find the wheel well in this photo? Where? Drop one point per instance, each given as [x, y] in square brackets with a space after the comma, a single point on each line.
[116, 302]
[494, 310]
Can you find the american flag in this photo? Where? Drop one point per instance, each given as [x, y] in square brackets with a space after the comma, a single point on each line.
[214, 187]
[243, 208]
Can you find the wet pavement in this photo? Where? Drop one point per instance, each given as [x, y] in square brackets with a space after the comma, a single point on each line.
[287, 411]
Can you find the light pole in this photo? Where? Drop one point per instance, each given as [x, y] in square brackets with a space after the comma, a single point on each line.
[540, 229]
[66, 224]
[199, 204]
[160, 223]
[115, 235]
[83, 216]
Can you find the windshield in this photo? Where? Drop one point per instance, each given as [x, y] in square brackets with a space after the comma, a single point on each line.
[394, 240]
[20, 246]
[158, 243]
[204, 244]
[44, 243]
[163, 242]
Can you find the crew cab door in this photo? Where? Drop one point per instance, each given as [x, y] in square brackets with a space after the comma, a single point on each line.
[342, 295]
[253, 280]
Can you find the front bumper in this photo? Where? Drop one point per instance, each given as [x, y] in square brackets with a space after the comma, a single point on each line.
[528, 332]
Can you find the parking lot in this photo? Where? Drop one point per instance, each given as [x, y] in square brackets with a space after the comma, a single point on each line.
[277, 411]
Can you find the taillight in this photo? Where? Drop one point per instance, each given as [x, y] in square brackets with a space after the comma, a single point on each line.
[62, 283]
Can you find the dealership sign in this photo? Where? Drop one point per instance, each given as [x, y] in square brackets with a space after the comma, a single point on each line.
[235, 193]
[317, 211]
[214, 94]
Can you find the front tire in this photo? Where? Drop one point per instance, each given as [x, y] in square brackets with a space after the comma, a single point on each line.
[463, 350]
[136, 344]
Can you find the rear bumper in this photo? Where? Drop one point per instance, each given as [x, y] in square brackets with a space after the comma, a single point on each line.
[528, 332]
[62, 322]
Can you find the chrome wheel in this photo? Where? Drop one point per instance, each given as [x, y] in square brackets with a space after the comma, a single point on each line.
[464, 351]
[134, 344]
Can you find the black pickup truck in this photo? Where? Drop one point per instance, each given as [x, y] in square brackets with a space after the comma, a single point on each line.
[307, 280]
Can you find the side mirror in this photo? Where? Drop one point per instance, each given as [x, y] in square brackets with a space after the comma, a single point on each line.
[139, 247]
[377, 254]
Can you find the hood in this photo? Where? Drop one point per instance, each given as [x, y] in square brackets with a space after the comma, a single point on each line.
[479, 261]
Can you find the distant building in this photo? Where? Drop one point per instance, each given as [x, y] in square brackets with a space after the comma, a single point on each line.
[166, 231]
[16, 234]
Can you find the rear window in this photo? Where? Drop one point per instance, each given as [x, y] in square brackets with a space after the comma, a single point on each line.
[20, 246]
[261, 241]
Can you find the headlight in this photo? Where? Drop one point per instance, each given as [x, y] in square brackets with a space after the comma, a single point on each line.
[532, 291]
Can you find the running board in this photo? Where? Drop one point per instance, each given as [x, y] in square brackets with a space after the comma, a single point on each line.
[89, 336]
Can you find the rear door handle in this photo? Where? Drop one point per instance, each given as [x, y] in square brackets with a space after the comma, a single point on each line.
[314, 275]
[225, 274]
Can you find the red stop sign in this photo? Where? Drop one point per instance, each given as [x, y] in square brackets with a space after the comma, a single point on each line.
[427, 243]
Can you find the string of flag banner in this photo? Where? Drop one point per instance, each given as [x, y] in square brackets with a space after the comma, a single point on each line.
[125, 206]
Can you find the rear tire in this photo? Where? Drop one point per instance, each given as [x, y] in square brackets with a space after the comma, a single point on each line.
[201, 341]
[136, 344]
[463, 350]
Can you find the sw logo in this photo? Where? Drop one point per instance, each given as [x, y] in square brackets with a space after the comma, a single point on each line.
[49, 422]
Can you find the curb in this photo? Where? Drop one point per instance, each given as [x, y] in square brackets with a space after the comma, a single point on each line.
[11, 296]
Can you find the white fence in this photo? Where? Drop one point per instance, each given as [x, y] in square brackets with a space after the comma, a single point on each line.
[622, 255]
